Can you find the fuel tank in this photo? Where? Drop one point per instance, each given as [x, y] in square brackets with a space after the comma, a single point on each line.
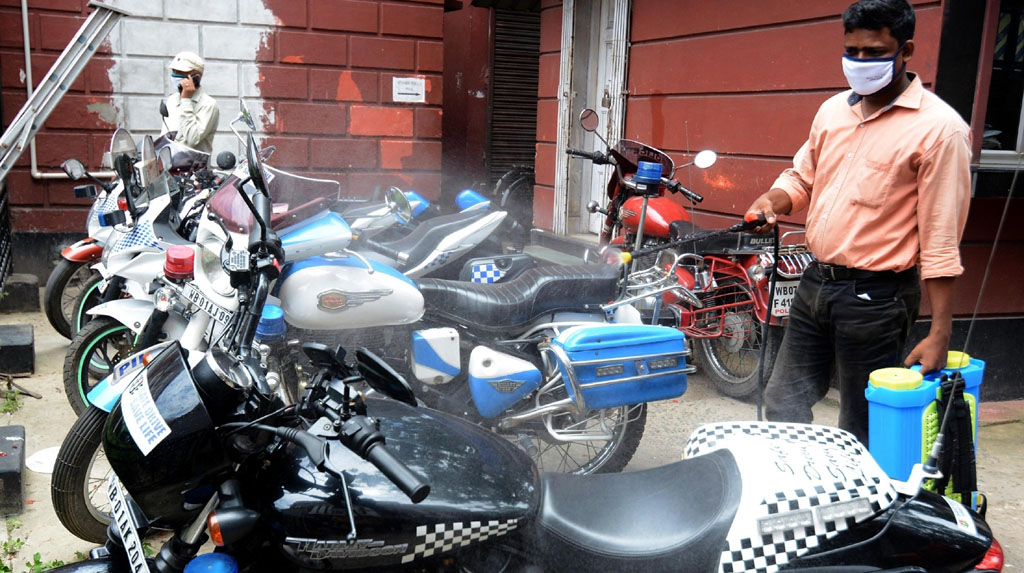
[661, 211]
[482, 487]
[322, 293]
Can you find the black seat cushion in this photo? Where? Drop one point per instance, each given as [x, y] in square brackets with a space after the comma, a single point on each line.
[506, 305]
[671, 518]
[427, 235]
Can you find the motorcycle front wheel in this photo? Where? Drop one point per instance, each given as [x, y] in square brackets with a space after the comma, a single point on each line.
[732, 360]
[64, 287]
[95, 349]
[77, 489]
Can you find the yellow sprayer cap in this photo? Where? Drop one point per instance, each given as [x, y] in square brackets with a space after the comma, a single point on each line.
[956, 360]
[896, 378]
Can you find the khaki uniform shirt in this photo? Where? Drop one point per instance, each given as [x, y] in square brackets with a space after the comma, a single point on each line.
[195, 119]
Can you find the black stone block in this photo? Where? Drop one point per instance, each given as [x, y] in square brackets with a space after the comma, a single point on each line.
[21, 293]
[12, 470]
[17, 349]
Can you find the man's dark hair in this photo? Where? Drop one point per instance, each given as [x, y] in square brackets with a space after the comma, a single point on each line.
[897, 15]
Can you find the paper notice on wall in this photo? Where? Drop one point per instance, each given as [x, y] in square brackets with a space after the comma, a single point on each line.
[409, 90]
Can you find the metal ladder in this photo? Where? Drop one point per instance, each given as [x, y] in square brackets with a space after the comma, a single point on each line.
[56, 83]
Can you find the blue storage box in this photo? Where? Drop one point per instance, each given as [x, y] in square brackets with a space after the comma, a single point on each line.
[622, 364]
[903, 418]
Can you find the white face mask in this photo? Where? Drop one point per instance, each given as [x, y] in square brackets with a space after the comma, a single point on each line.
[870, 75]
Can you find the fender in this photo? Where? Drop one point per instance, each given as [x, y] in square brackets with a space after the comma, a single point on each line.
[87, 250]
[134, 313]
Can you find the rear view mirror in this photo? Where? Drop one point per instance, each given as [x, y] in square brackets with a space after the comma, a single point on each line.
[705, 159]
[163, 109]
[74, 169]
[398, 204]
[246, 116]
[589, 119]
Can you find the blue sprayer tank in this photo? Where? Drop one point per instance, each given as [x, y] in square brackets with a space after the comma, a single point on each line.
[903, 417]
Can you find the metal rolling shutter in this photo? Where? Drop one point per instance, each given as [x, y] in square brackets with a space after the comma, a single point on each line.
[514, 91]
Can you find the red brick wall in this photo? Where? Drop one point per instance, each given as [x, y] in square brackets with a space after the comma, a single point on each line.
[762, 75]
[79, 127]
[324, 72]
[547, 113]
[327, 91]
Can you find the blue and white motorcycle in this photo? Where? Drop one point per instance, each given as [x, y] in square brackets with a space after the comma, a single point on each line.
[556, 359]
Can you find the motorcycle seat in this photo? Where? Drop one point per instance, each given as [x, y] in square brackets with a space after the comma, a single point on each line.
[427, 235]
[501, 307]
[670, 518]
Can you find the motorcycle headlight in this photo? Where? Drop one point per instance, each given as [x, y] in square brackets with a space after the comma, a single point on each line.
[209, 261]
[756, 273]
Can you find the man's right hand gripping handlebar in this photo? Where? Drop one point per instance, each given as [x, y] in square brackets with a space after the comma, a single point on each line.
[771, 204]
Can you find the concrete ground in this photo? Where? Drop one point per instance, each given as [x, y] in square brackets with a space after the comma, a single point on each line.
[1000, 465]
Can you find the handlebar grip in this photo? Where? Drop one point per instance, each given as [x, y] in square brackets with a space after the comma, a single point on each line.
[677, 187]
[750, 223]
[399, 473]
[385, 250]
[596, 156]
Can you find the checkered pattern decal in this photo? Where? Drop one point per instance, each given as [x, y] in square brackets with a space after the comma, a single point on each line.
[441, 259]
[442, 537]
[708, 436]
[487, 273]
[109, 204]
[140, 236]
[797, 469]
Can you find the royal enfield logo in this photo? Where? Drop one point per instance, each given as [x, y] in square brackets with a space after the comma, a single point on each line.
[506, 386]
[625, 213]
[339, 300]
[338, 549]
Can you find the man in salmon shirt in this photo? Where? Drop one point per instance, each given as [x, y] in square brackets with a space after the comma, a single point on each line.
[885, 178]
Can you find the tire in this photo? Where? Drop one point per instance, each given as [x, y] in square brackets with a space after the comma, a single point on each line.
[580, 456]
[78, 478]
[63, 288]
[732, 361]
[102, 343]
[587, 457]
[87, 299]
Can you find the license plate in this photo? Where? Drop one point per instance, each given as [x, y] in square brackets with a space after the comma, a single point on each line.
[122, 517]
[783, 297]
[219, 313]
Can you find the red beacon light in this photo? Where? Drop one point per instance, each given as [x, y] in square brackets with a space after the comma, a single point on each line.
[179, 262]
[122, 203]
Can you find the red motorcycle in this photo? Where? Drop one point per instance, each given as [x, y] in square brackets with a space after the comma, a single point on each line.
[729, 273]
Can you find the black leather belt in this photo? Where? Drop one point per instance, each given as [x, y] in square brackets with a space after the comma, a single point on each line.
[831, 272]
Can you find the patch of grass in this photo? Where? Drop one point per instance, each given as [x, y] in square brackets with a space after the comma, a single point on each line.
[11, 402]
[37, 565]
[12, 546]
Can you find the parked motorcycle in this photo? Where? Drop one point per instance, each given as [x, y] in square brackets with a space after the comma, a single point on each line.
[342, 482]
[728, 273]
[72, 277]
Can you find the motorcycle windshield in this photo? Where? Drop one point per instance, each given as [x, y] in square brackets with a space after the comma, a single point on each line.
[628, 154]
[183, 157]
[291, 195]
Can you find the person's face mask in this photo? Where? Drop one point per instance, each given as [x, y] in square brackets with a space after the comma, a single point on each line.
[177, 77]
[869, 76]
